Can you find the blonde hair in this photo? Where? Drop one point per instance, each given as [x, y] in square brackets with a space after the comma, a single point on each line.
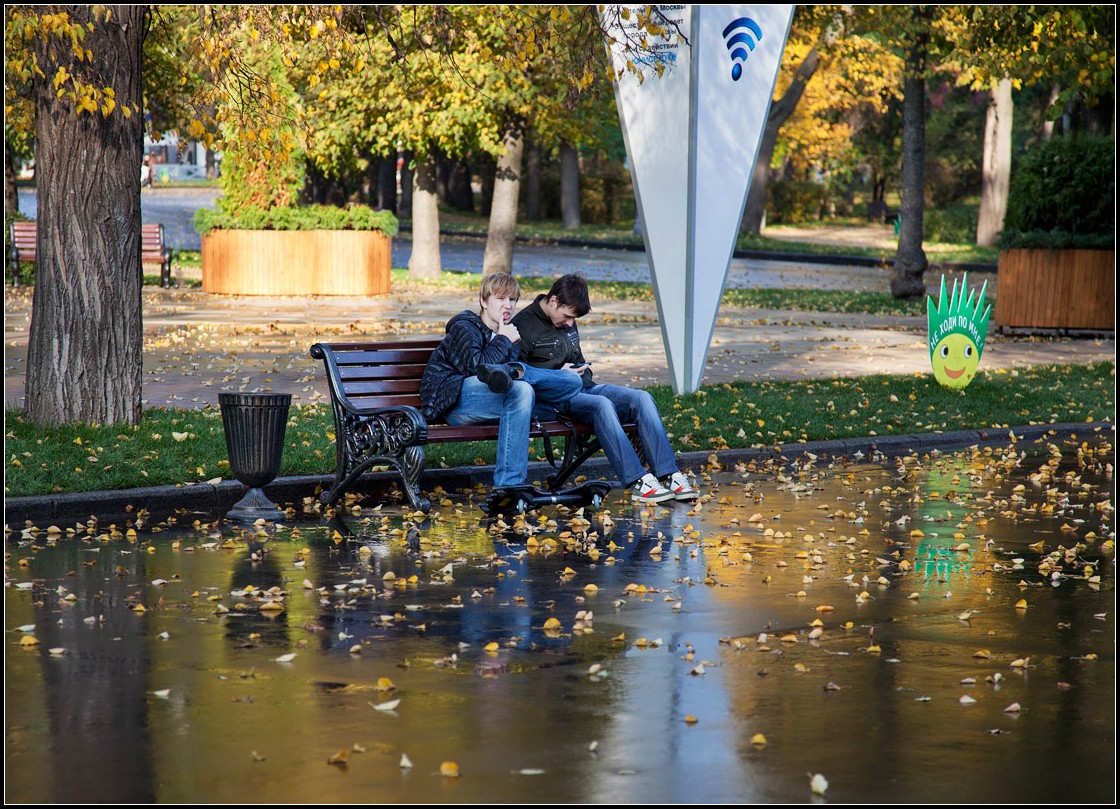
[499, 283]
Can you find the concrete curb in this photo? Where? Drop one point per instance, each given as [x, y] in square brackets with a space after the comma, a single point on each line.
[211, 500]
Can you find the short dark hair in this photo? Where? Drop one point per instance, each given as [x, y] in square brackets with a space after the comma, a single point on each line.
[571, 290]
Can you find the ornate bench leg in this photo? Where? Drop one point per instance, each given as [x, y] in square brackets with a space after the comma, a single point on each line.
[412, 466]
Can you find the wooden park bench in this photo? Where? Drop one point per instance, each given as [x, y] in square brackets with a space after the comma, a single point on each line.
[153, 249]
[375, 396]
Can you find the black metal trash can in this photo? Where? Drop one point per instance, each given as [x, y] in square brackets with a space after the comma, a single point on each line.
[255, 425]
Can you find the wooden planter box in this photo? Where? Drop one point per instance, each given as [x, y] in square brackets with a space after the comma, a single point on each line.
[296, 262]
[1056, 289]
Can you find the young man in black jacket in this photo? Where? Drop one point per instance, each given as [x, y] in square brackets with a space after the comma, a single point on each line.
[474, 377]
[550, 339]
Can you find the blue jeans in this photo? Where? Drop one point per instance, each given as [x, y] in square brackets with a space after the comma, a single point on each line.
[605, 407]
[514, 411]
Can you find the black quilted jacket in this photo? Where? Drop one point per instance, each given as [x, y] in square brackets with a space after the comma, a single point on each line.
[467, 344]
[545, 345]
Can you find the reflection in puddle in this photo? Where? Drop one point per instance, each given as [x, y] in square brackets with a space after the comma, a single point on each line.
[935, 628]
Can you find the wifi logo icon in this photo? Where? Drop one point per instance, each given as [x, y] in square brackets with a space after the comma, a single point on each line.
[741, 37]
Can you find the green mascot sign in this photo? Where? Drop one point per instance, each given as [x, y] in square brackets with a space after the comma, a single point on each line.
[957, 332]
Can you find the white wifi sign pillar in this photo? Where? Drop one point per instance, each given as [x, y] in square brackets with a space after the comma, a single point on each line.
[692, 138]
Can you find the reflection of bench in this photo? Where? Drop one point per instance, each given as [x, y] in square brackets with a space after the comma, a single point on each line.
[375, 396]
[153, 249]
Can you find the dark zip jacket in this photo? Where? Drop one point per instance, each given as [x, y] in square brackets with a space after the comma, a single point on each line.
[546, 346]
[468, 343]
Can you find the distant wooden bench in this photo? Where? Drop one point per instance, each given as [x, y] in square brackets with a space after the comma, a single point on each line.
[877, 211]
[153, 249]
[375, 396]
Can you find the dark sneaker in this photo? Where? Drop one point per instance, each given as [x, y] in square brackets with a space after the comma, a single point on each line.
[496, 377]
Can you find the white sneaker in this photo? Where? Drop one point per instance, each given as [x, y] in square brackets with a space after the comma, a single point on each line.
[648, 490]
[680, 487]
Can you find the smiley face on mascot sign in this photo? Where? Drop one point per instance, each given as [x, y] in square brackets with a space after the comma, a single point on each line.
[957, 332]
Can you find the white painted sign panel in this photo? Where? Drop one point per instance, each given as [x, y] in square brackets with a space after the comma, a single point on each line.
[692, 137]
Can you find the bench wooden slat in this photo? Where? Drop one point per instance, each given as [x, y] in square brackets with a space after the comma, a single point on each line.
[153, 248]
[384, 387]
[415, 356]
[350, 374]
[366, 404]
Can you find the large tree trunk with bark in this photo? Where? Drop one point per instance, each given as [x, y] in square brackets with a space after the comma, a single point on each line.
[996, 168]
[425, 259]
[569, 186]
[85, 348]
[754, 212]
[498, 256]
[910, 264]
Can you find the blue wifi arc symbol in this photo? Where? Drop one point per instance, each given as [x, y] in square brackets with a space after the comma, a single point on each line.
[738, 34]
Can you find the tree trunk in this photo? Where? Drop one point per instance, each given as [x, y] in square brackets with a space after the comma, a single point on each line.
[569, 186]
[996, 165]
[754, 213]
[460, 196]
[386, 194]
[85, 347]
[1048, 126]
[404, 204]
[486, 171]
[11, 190]
[498, 256]
[533, 182]
[910, 264]
[425, 259]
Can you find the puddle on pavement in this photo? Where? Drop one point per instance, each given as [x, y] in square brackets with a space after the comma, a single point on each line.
[931, 629]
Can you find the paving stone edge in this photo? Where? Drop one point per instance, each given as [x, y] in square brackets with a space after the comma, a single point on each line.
[214, 500]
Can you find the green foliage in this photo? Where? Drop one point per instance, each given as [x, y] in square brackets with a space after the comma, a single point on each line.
[955, 224]
[1063, 194]
[793, 201]
[310, 217]
[246, 182]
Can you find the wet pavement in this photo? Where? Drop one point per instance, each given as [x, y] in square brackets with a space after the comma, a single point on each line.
[937, 628]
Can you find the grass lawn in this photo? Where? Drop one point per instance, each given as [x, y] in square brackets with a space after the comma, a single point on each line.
[173, 446]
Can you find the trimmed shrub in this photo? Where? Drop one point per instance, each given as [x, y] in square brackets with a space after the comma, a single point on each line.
[1063, 195]
[310, 217]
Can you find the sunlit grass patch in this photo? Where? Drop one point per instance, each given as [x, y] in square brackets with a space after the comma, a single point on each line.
[181, 447]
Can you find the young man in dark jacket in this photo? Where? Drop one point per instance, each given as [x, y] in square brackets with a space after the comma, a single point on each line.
[474, 377]
[550, 339]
